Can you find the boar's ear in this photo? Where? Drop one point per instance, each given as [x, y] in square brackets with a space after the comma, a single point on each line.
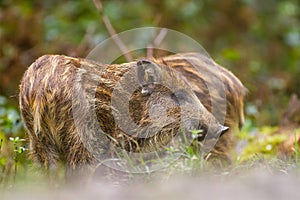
[148, 72]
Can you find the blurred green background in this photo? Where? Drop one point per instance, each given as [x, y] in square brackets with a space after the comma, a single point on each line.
[257, 40]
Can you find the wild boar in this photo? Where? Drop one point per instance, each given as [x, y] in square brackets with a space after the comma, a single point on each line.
[73, 109]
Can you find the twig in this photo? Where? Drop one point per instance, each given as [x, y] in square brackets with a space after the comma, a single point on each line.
[150, 50]
[161, 35]
[86, 39]
[112, 31]
[16, 168]
[156, 42]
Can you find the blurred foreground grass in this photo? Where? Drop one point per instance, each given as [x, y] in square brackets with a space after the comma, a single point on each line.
[255, 151]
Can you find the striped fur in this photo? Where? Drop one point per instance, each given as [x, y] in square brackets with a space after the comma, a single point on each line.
[201, 71]
[47, 103]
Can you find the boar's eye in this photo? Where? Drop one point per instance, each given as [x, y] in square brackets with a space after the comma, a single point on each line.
[147, 89]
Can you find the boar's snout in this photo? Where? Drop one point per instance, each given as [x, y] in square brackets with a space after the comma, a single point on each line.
[216, 131]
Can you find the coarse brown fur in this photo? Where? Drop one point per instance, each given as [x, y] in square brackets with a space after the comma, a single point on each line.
[202, 72]
[58, 92]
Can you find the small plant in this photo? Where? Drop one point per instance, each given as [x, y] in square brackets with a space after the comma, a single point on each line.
[10, 125]
[18, 150]
[192, 157]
